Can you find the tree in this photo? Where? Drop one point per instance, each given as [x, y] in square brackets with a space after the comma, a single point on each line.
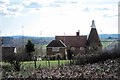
[58, 58]
[30, 46]
[29, 49]
[15, 59]
[69, 54]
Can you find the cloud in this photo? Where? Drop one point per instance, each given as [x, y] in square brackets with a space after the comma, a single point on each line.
[14, 8]
[110, 16]
[102, 9]
[99, 2]
[60, 1]
[40, 6]
[86, 9]
[34, 5]
[3, 4]
[4, 1]
[54, 5]
[8, 8]
[22, 7]
[64, 2]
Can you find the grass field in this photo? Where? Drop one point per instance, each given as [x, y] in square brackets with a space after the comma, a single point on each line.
[53, 63]
[39, 64]
[105, 44]
[27, 67]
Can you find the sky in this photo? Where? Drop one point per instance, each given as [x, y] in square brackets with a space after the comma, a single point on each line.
[57, 17]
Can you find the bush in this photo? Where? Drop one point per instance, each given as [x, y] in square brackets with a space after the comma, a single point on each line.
[94, 58]
[7, 68]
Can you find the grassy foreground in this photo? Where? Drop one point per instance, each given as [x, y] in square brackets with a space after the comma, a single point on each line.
[39, 64]
[51, 63]
[108, 70]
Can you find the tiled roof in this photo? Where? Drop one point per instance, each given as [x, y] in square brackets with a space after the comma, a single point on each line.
[73, 41]
[56, 43]
[93, 38]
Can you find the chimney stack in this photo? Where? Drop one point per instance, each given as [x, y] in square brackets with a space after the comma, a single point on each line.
[78, 33]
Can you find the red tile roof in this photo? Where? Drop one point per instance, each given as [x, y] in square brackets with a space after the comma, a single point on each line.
[56, 43]
[73, 41]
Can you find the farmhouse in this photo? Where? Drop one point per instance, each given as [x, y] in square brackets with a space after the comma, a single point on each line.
[78, 44]
[55, 48]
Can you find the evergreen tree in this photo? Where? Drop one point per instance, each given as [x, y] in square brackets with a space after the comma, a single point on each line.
[69, 54]
[29, 49]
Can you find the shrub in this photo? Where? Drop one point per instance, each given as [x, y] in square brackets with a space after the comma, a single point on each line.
[94, 58]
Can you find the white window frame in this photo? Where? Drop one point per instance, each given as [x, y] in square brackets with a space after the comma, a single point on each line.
[82, 48]
[55, 49]
[73, 48]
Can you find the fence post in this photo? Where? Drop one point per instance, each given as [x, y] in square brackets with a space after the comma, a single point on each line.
[35, 58]
[48, 61]
[58, 58]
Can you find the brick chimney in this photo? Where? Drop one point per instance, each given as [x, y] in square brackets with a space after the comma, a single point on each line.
[78, 33]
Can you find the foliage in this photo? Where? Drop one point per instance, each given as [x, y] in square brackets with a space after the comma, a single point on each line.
[40, 50]
[108, 69]
[15, 59]
[8, 57]
[29, 49]
[94, 58]
[93, 49]
[15, 62]
[69, 54]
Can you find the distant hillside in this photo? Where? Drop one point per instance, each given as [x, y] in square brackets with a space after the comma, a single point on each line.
[7, 41]
[107, 36]
[22, 40]
[19, 40]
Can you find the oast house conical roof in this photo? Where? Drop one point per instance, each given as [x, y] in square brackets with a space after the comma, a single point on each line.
[93, 36]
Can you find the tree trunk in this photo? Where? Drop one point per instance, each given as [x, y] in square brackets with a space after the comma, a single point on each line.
[49, 63]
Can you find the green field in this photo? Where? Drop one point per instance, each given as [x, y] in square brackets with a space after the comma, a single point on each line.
[105, 44]
[52, 63]
[39, 64]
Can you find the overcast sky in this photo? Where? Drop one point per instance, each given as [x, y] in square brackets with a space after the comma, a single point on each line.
[57, 17]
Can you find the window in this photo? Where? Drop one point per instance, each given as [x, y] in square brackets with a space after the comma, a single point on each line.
[90, 48]
[81, 48]
[55, 49]
[72, 48]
